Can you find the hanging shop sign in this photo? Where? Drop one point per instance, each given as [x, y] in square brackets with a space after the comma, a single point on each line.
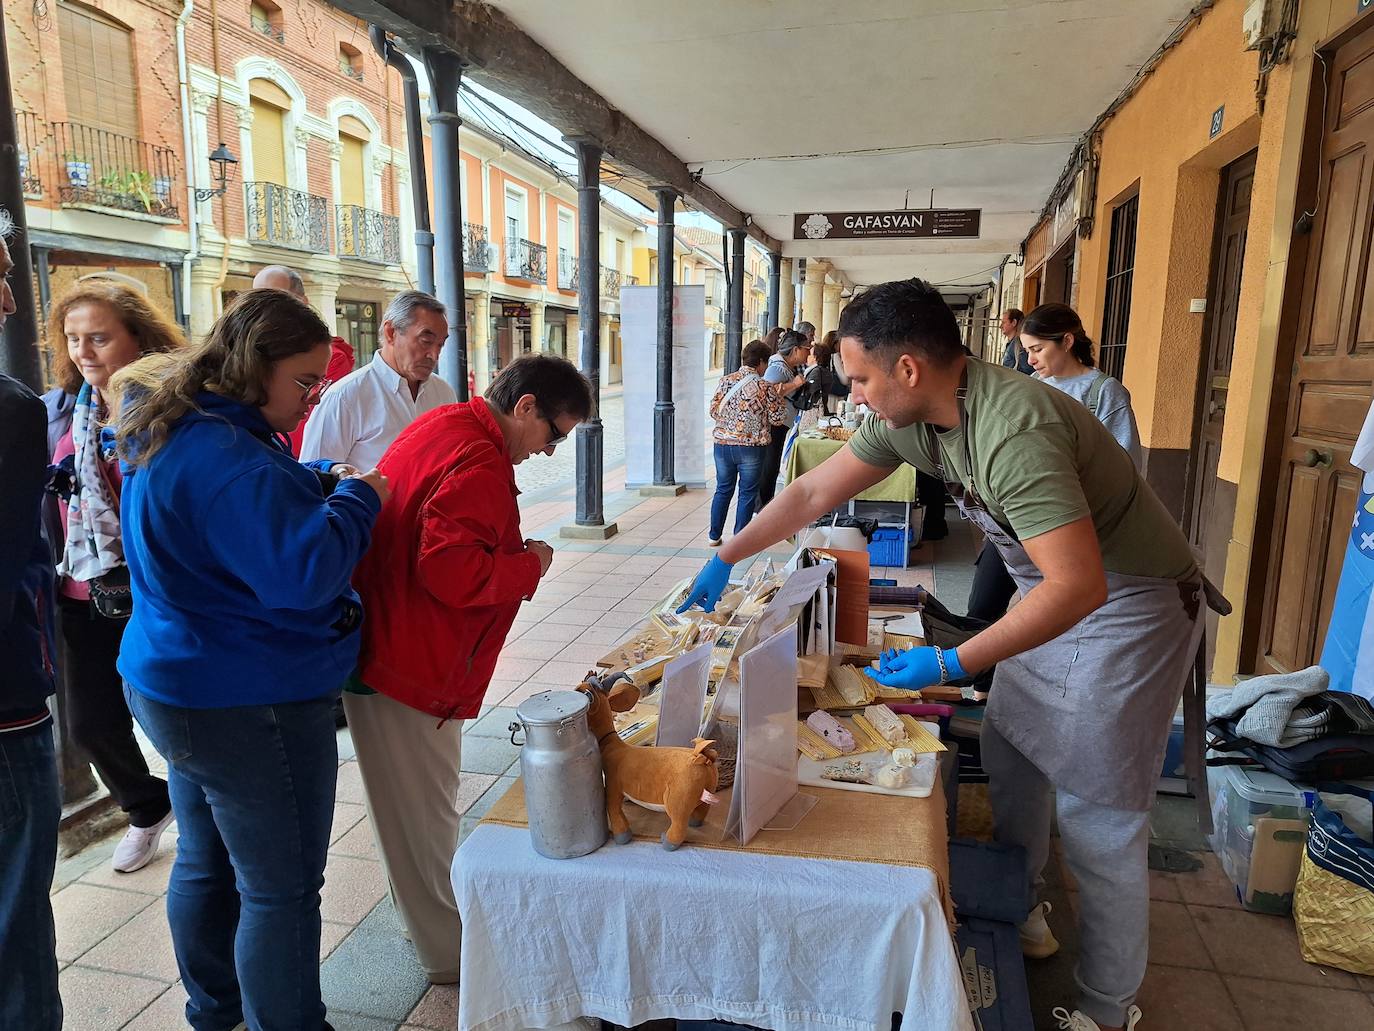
[514, 310]
[887, 225]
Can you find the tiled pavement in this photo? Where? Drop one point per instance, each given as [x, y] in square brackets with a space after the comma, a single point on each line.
[1214, 967]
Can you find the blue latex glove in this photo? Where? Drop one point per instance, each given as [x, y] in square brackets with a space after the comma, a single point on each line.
[709, 585]
[915, 668]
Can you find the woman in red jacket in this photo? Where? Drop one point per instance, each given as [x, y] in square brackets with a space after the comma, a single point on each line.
[441, 583]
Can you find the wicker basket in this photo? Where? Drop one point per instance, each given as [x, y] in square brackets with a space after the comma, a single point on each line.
[839, 433]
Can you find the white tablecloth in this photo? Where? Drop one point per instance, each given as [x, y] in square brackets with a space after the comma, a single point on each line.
[633, 933]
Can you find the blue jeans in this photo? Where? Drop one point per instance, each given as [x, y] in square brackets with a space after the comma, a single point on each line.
[744, 462]
[253, 792]
[30, 808]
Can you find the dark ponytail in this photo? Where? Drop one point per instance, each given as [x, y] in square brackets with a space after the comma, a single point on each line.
[1052, 322]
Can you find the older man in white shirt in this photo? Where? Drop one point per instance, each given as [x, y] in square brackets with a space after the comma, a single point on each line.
[359, 417]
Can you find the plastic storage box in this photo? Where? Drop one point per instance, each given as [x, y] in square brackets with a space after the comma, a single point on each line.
[1259, 827]
[890, 546]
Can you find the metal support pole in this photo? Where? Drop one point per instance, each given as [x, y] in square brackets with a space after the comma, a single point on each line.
[774, 290]
[415, 149]
[663, 406]
[589, 434]
[734, 327]
[799, 308]
[445, 73]
[19, 341]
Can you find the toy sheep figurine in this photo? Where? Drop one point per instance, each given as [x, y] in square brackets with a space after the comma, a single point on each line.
[679, 779]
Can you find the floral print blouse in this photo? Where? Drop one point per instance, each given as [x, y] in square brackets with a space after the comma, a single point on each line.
[745, 416]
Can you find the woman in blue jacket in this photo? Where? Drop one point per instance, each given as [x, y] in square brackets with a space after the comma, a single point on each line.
[244, 626]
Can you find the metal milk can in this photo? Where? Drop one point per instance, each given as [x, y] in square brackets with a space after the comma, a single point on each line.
[560, 766]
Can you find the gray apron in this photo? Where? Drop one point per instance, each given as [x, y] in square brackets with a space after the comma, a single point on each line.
[1092, 708]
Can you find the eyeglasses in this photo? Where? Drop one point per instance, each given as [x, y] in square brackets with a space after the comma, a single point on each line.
[556, 436]
[312, 392]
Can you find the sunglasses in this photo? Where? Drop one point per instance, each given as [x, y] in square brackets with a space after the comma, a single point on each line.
[312, 392]
[556, 436]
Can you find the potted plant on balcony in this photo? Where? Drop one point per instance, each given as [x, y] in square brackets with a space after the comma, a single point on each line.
[78, 171]
[123, 186]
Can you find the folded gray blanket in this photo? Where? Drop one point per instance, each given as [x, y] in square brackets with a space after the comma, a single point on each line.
[1268, 703]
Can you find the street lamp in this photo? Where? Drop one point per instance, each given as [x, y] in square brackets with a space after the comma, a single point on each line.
[221, 159]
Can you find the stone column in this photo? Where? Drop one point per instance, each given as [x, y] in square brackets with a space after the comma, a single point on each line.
[204, 276]
[830, 311]
[481, 338]
[787, 297]
[605, 347]
[322, 292]
[538, 340]
[813, 294]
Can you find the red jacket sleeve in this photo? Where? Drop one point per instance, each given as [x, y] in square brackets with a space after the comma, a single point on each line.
[462, 561]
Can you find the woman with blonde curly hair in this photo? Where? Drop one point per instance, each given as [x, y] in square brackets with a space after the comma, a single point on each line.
[244, 626]
[97, 327]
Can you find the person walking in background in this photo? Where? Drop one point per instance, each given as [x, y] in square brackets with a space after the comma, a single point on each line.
[744, 408]
[362, 414]
[1013, 354]
[771, 338]
[784, 372]
[244, 626]
[1061, 353]
[97, 328]
[442, 582]
[808, 331]
[341, 357]
[30, 796]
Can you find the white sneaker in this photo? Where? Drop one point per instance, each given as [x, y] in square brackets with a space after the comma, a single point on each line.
[138, 846]
[1080, 1021]
[713, 541]
[1037, 940]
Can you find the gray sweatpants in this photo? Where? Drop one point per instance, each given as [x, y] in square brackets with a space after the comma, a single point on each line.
[1108, 853]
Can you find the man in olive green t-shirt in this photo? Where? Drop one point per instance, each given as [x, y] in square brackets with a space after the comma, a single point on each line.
[1090, 663]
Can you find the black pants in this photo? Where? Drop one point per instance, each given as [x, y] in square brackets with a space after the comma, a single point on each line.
[992, 585]
[772, 463]
[98, 718]
[931, 493]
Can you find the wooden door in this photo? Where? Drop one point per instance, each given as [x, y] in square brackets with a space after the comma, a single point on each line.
[1333, 376]
[1223, 302]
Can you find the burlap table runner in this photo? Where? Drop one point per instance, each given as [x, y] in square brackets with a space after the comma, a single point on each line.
[852, 826]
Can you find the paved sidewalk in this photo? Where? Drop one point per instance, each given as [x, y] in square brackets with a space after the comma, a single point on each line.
[1214, 967]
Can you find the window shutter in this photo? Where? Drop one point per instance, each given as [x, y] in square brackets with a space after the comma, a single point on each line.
[269, 146]
[352, 180]
[98, 71]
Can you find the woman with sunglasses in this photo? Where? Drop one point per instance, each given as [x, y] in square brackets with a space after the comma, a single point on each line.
[442, 582]
[244, 626]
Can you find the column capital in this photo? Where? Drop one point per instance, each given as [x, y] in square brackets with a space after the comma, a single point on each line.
[245, 117]
[815, 271]
[832, 291]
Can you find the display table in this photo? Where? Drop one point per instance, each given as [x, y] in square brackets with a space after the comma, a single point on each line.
[809, 452]
[790, 932]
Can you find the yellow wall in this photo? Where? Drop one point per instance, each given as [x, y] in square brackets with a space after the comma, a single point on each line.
[1159, 140]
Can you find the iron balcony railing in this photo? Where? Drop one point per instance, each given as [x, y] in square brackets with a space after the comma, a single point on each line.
[611, 280]
[33, 134]
[526, 259]
[286, 217]
[476, 253]
[370, 235]
[569, 270]
[113, 171]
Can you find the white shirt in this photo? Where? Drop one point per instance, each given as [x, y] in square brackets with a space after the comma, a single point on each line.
[359, 416]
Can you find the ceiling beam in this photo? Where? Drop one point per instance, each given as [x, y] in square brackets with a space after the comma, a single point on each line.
[500, 56]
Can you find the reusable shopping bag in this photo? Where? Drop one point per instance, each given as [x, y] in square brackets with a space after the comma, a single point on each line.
[1333, 905]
